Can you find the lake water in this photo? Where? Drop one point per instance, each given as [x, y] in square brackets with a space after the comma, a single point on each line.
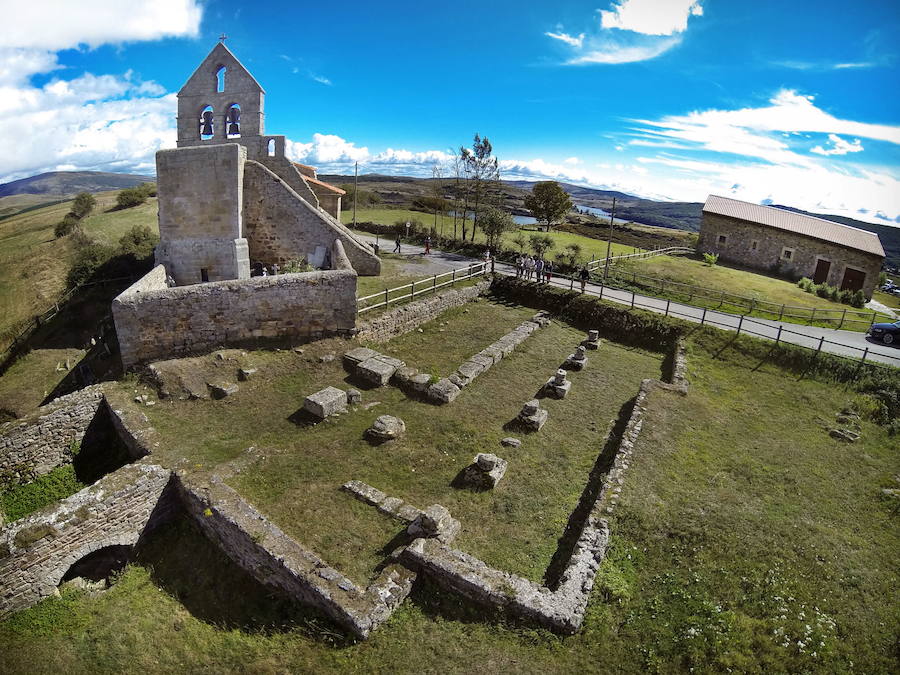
[593, 210]
[524, 220]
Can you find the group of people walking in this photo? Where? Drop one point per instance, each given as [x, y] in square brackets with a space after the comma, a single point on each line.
[534, 267]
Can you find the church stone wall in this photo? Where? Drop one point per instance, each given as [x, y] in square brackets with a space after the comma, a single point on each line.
[281, 227]
[201, 194]
[173, 322]
[738, 248]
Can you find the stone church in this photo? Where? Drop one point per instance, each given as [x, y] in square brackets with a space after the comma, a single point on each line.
[230, 200]
[229, 196]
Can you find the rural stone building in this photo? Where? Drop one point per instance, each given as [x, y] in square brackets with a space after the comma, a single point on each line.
[791, 244]
[229, 200]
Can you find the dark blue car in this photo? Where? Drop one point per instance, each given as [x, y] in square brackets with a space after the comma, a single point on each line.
[888, 333]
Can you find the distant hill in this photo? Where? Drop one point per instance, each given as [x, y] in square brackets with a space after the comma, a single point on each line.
[67, 183]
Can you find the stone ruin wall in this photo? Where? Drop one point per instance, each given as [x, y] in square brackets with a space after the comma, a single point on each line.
[40, 443]
[37, 551]
[407, 317]
[767, 257]
[280, 226]
[154, 322]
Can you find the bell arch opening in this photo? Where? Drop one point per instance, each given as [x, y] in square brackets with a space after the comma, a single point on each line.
[206, 129]
[233, 121]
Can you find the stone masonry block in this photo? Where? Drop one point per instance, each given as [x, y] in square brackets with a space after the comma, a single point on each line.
[327, 402]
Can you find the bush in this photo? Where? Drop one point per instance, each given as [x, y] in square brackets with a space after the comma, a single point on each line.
[806, 284]
[138, 242]
[130, 197]
[710, 259]
[858, 299]
[83, 205]
[148, 189]
[66, 226]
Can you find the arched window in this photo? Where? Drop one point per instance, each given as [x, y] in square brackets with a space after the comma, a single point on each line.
[270, 147]
[220, 79]
[206, 123]
[233, 121]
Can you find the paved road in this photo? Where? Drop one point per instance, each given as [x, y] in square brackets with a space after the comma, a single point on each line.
[851, 344]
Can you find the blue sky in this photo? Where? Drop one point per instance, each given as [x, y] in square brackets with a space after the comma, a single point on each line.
[786, 102]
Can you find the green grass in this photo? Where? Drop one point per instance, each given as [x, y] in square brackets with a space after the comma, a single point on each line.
[887, 299]
[297, 484]
[741, 523]
[590, 247]
[396, 270]
[21, 500]
[32, 377]
[759, 287]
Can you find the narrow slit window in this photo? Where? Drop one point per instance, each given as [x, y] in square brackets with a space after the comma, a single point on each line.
[722, 239]
[220, 79]
[204, 274]
[270, 147]
[754, 245]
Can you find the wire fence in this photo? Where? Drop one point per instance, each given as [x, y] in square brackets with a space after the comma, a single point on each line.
[742, 304]
[391, 296]
[745, 324]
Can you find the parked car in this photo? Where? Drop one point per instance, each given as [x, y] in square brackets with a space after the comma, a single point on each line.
[888, 333]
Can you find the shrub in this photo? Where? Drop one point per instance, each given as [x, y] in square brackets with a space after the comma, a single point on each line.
[541, 243]
[66, 226]
[89, 259]
[710, 259]
[148, 189]
[138, 242]
[83, 205]
[806, 284]
[858, 299]
[130, 197]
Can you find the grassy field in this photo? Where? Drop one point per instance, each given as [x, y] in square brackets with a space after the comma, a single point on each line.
[590, 248]
[746, 539]
[34, 264]
[759, 287]
[297, 484]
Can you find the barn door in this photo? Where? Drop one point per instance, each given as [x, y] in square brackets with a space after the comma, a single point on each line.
[823, 267]
[853, 279]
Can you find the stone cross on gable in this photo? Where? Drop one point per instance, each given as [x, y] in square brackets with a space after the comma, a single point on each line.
[222, 38]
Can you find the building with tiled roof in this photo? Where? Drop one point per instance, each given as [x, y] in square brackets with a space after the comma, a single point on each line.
[791, 244]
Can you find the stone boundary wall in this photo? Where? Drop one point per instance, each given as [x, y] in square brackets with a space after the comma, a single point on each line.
[184, 320]
[37, 551]
[41, 442]
[560, 609]
[262, 549]
[408, 316]
[679, 364]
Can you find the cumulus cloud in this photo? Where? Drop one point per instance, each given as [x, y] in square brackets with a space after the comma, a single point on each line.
[651, 17]
[633, 30]
[838, 146]
[333, 154]
[109, 122]
[53, 25]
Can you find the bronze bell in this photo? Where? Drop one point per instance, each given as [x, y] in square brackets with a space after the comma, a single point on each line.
[206, 124]
[234, 129]
[234, 115]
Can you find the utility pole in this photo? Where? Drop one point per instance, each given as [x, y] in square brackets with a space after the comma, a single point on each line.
[355, 191]
[609, 241]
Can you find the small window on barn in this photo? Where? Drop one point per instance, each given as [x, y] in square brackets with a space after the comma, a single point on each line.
[754, 245]
[722, 239]
[220, 79]
[787, 253]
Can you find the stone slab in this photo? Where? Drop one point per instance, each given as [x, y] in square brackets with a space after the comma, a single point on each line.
[326, 402]
[375, 371]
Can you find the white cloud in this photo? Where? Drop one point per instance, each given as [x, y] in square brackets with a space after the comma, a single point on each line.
[331, 153]
[321, 80]
[838, 146]
[571, 40]
[572, 161]
[634, 30]
[53, 25]
[651, 17]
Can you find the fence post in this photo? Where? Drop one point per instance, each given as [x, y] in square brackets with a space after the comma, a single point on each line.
[865, 354]
[434, 283]
[740, 323]
[778, 337]
[385, 297]
[752, 305]
[703, 318]
[812, 317]
[668, 302]
[412, 290]
[781, 313]
[874, 316]
[843, 316]
[721, 299]
[453, 278]
[819, 348]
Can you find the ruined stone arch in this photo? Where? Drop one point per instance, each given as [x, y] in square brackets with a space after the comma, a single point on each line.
[64, 564]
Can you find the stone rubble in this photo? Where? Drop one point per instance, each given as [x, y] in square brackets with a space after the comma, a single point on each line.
[510, 442]
[533, 417]
[592, 341]
[386, 428]
[326, 402]
[576, 361]
[435, 522]
[558, 386]
[485, 471]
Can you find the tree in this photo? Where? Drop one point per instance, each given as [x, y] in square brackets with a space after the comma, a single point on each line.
[66, 226]
[573, 252]
[494, 223]
[484, 170]
[548, 202]
[83, 205]
[541, 243]
[130, 197]
[520, 241]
